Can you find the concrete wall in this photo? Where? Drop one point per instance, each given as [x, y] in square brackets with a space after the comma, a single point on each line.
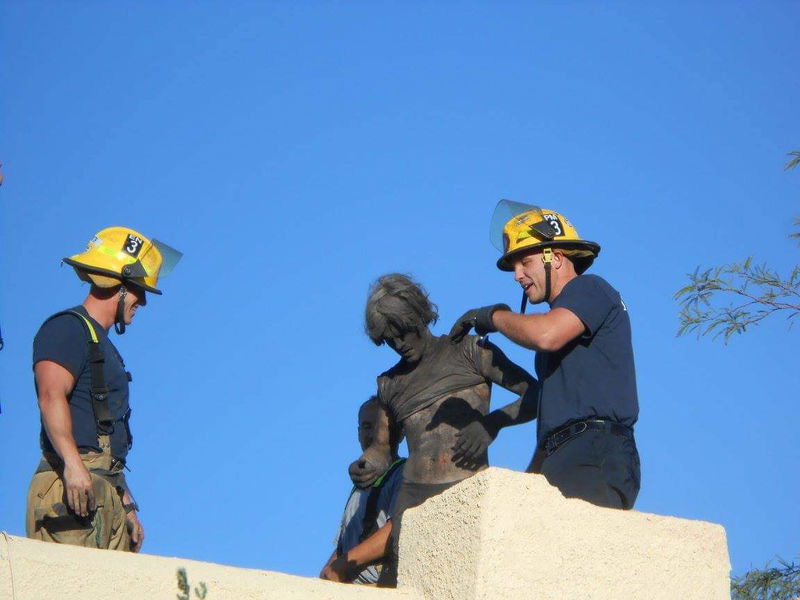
[503, 534]
[32, 570]
[498, 535]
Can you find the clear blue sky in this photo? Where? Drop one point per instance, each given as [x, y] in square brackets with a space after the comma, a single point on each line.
[296, 151]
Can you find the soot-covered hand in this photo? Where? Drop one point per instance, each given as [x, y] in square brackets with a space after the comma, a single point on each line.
[366, 470]
[473, 440]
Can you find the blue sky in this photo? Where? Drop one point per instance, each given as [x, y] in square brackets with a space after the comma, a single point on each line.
[296, 151]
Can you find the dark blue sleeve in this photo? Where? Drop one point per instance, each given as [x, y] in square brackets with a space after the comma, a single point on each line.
[590, 298]
[62, 340]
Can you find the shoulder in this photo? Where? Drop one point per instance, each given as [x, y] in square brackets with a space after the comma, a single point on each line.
[588, 286]
[591, 298]
[467, 345]
[384, 384]
[590, 282]
[64, 326]
[388, 376]
[389, 373]
[477, 350]
[61, 339]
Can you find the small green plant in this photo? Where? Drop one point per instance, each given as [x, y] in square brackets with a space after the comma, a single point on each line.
[184, 588]
[769, 583]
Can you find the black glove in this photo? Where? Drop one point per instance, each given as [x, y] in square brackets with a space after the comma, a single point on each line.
[478, 318]
[366, 470]
[473, 440]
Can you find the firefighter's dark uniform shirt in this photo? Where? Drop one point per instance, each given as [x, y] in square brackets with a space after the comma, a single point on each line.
[593, 376]
[63, 340]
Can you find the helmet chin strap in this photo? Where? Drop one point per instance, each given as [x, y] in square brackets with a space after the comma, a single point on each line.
[119, 320]
[547, 259]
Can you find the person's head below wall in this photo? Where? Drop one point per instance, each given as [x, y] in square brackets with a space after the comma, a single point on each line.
[369, 415]
[396, 304]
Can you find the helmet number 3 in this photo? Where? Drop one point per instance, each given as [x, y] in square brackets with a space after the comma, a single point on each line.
[133, 245]
[555, 223]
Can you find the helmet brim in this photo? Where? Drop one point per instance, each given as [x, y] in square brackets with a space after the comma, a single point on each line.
[88, 269]
[506, 262]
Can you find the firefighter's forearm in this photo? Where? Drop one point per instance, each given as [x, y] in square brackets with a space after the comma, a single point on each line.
[58, 425]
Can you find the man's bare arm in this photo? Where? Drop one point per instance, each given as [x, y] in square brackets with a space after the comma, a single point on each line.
[344, 568]
[548, 332]
[54, 383]
[135, 528]
[377, 458]
[328, 562]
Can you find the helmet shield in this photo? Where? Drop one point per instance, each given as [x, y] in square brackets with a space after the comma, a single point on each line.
[156, 260]
[503, 213]
[169, 257]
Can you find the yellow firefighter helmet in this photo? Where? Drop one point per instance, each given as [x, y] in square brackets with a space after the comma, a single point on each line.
[519, 228]
[117, 255]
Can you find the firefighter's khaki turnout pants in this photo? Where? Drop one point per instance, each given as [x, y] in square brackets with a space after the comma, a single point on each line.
[50, 519]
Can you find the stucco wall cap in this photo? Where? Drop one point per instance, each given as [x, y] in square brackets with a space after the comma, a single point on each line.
[33, 570]
[505, 534]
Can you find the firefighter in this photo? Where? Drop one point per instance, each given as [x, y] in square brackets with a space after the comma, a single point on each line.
[588, 401]
[78, 494]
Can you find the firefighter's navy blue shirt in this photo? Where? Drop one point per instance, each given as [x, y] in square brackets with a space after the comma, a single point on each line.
[64, 340]
[593, 376]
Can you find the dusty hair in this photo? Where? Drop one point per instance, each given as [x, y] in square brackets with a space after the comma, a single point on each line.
[397, 303]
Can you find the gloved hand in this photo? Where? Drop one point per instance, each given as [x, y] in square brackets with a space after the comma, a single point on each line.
[473, 440]
[478, 318]
[366, 470]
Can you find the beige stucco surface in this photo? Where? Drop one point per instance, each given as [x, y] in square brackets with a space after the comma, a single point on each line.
[33, 570]
[498, 535]
[504, 534]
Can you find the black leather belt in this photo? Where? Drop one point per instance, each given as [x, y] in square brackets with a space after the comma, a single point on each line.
[561, 436]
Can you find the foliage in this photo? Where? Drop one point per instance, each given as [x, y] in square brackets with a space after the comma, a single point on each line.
[769, 583]
[756, 292]
[184, 588]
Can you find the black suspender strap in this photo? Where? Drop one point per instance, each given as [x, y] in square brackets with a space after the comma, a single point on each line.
[102, 412]
[99, 391]
[371, 513]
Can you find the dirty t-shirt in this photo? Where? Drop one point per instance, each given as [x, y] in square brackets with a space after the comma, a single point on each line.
[64, 341]
[448, 367]
[593, 376]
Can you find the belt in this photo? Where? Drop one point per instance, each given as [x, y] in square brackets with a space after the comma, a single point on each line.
[561, 436]
[52, 462]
